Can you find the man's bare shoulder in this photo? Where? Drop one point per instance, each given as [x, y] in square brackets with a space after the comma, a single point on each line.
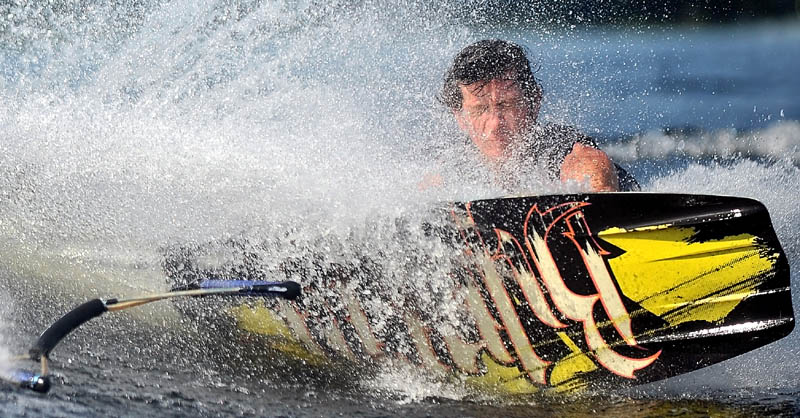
[584, 161]
[582, 151]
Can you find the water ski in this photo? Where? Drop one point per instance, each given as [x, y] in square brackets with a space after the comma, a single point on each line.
[561, 291]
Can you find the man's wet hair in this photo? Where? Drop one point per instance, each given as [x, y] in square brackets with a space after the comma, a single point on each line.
[488, 60]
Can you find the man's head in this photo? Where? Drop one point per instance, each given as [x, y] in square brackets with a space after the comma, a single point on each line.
[492, 92]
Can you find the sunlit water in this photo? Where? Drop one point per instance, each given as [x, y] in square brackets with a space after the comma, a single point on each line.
[125, 131]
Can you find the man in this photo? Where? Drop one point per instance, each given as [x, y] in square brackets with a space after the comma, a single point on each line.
[495, 99]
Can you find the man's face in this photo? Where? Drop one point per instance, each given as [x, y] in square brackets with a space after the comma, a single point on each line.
[494, 115]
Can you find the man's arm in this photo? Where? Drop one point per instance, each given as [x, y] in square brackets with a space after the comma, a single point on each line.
[583, 162]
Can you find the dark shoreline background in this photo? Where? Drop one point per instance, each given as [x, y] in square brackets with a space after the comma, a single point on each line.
[628, 11]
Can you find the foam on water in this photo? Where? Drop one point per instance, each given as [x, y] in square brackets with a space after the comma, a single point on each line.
[780, 140]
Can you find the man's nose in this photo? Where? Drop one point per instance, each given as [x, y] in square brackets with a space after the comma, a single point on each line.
[496, 119]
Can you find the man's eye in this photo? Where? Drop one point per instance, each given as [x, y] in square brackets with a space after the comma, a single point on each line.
[477, 111]
[504, 106]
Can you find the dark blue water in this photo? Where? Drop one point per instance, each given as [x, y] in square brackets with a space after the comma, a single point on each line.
[129, 129]
[701, 78]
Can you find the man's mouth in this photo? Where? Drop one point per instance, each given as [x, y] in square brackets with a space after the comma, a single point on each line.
[500, 139]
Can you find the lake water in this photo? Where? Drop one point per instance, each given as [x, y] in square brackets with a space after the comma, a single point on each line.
[126, 130]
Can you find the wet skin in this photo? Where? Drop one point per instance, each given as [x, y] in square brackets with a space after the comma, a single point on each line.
[496, 116]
